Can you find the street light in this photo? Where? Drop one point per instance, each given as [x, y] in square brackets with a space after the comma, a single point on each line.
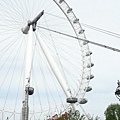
[117, 92]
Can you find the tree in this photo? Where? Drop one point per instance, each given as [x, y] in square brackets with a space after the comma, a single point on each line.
[75, 115]
[112, 112]
[72, 115]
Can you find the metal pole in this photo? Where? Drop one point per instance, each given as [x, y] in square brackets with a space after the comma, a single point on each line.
[28, 66]
[55, 69]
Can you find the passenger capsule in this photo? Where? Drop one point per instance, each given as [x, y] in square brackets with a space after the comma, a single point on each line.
[60, 1]
[88, 53]
[81, 31]
[90, 65]
[90, 77]
[30, 90]
[85, 43]
[76, 20]
[69, 10]
[88, 89]
[83, 101]
[72, 100]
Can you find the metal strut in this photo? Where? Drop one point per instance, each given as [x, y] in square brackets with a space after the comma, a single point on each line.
[28, 90]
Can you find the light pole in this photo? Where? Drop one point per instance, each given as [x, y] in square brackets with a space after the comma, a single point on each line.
[117, 92]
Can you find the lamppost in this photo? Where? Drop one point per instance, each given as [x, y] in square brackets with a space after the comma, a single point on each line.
[117, 92]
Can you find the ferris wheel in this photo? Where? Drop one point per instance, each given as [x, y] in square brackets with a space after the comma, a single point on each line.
[42, 71]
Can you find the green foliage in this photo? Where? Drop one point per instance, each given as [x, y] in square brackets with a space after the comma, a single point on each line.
[112, 112]
[75, 115]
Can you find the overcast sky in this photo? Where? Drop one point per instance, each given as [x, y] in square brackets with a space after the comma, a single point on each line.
[104, 14]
